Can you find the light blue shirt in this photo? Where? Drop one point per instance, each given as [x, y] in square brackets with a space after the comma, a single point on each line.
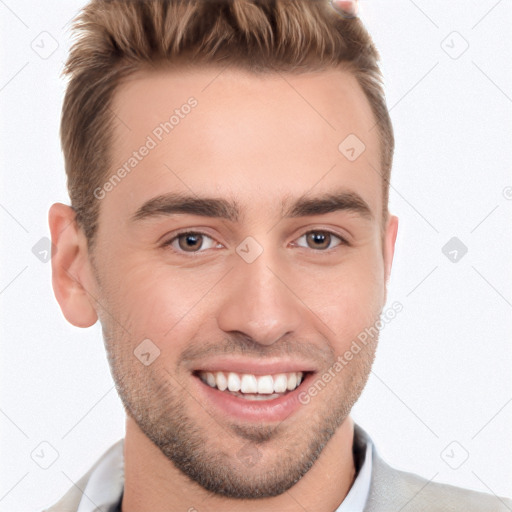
[104, 488]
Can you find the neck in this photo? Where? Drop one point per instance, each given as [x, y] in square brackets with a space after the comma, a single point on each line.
[152, 482]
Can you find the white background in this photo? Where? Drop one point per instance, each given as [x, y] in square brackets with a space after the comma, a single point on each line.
[444, 365]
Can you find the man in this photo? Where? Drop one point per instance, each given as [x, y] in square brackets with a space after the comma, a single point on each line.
[228, 164]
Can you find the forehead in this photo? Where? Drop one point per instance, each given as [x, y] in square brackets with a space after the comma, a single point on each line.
[258, 138]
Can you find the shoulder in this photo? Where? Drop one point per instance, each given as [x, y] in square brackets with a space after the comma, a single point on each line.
[393, 490]
[71, 500]
[413, 493]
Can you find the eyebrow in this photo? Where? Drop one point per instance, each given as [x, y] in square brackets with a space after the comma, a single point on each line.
[175, 203]
[340, 200]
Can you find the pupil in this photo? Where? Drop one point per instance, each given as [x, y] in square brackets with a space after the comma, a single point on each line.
[190, 242]
[320, 238]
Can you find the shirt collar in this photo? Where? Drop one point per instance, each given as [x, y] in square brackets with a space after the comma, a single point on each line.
[104, 489]
[105, 486]
[357, 497]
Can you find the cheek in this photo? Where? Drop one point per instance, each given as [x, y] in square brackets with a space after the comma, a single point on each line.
[161, 301]
[347, 298]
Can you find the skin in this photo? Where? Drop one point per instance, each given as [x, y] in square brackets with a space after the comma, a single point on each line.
[256, 140]
[348, 8]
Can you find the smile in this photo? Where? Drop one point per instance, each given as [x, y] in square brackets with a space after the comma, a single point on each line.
[253, 387]
[249, 391]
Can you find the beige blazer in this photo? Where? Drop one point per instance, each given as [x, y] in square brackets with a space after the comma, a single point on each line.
[390, 491]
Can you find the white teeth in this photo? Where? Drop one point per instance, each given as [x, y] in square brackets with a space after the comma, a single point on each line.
[252, 384]
[292, 381]
[280, 383]
[233, 382]
[222, 382]
[255, 396]
[210, 379]
[266, 385]
[249, 384]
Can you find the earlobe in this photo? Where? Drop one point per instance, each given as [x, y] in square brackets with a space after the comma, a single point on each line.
[70, 267]
[390, 240]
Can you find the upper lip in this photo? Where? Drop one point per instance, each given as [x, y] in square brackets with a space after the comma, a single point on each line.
[263, 366]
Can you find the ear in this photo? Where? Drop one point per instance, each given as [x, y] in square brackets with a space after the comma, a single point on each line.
[389, 244]
[347, 8]
[71, 272]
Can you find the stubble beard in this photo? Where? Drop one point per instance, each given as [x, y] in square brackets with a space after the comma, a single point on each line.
[156, 402]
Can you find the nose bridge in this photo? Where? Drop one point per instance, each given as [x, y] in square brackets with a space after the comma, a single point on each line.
[260, 304]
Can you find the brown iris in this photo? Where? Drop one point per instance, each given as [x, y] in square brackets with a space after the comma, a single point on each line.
[320, 239]
[190, 241]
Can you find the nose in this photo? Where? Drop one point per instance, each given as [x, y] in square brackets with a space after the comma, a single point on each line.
[259, 302]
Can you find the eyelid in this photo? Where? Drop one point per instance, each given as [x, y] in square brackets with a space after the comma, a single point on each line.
[343, 240]
[187, 231]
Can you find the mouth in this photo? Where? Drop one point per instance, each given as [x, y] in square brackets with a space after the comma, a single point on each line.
[256, 394]
[253, 387]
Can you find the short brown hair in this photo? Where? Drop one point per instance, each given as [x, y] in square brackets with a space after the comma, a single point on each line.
[117, 38]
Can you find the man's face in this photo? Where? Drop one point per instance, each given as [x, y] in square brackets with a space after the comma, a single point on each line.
[264, 289]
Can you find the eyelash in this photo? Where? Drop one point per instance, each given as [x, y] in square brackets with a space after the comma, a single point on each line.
[342, 240]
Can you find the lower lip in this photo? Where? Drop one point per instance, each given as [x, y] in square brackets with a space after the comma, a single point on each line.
[277, 409]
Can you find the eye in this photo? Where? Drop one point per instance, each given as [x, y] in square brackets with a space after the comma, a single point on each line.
[320, 240]
[192, 241]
